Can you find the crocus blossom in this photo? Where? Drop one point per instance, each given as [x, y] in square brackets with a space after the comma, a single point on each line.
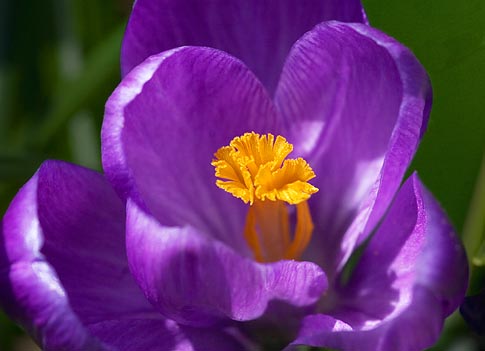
[157, 257]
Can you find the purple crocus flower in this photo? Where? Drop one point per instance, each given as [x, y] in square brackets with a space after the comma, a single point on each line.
[194, 268]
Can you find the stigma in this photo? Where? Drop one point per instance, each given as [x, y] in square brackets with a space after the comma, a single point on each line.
[255, 169]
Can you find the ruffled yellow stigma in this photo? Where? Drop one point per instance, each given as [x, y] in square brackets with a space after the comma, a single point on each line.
[254, 168]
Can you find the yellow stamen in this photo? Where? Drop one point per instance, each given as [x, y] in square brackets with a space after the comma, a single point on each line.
[267, 230]
[254, 168]
[303, 232]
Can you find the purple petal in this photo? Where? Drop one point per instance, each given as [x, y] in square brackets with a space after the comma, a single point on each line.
[163, 125]
[30, 291]
[162, 335]
[21, 237]
[82, 220]
[199, 281]
[63, 256]
[260, 33]
[412, 274]
[416, 328]
[31, 294]
[357, 103]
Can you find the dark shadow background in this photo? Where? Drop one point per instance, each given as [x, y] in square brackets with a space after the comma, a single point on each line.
[59, 61]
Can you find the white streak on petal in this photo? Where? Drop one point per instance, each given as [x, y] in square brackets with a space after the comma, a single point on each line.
[47, 275]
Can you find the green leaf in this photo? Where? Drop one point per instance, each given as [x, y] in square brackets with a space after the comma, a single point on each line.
[474, 230]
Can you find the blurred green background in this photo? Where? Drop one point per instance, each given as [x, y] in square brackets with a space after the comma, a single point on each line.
[59, 61]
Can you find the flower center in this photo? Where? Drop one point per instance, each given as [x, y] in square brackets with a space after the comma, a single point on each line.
[254, 168]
